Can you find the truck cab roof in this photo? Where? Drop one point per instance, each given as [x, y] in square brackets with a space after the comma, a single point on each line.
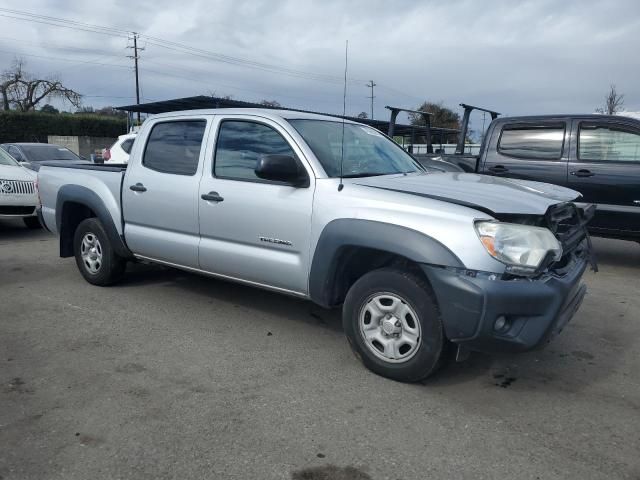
[566, 116]
[269, 113]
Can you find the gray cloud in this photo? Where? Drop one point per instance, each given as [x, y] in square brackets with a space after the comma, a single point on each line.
[516, 57]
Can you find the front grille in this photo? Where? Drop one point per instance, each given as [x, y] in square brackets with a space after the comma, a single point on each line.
[16, 187]
[569, 224]
[16, 210]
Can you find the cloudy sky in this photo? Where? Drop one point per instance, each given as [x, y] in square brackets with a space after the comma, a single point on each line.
[515, 57]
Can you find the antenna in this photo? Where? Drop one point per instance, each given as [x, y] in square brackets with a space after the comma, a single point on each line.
[344, 110]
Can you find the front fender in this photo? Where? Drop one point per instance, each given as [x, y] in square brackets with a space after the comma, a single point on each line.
[343, 233]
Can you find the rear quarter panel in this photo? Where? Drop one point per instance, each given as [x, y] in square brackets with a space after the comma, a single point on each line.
[105, 184]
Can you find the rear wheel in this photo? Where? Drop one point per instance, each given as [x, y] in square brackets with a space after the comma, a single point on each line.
[32, 222]
[393, 325]
[95, 257]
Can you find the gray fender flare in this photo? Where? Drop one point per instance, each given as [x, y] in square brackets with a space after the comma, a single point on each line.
[88, 198]
[344, 233]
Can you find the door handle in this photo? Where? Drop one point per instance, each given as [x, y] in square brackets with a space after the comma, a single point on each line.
[498, 169]
[583, 173]
[212, 197]
[138, 187]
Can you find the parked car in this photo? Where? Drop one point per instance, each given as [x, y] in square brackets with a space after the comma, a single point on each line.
[31, 155]
[419, 261]
[18, 197]
[597, 155]
[120, 150]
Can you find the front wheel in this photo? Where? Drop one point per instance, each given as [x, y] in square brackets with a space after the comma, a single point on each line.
[95, 257]
[393, 325]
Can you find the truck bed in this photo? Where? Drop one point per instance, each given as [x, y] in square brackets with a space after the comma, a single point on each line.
[78, 180]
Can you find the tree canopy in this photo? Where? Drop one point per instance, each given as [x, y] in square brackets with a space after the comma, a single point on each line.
[441, 116]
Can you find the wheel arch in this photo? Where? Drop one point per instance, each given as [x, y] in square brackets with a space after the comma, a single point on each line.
[349, 248]
[76, 203]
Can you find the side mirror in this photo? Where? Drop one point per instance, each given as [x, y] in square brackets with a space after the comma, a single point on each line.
[281, 168]
[25, 164]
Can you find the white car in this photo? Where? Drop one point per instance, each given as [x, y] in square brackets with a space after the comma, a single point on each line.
[119, 151]
[18, 195]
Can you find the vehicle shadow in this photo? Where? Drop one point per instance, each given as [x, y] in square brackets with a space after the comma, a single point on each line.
[15, 230]
[235, 294]
[571, 362]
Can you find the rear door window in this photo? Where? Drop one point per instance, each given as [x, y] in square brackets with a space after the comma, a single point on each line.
[127, 144]
[608, 143]
[544, 142]
[174, 147]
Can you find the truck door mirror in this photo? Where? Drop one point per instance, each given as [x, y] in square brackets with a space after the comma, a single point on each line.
[281, 168]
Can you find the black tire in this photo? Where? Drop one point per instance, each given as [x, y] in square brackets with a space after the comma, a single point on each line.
[111, 267]
[414, 291]
[32, 222]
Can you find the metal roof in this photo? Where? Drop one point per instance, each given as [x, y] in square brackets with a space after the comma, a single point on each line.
[205, 102]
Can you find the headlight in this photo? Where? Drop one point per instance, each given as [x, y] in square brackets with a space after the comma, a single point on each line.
[521, 247]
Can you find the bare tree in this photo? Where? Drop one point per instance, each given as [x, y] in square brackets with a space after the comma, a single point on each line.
[270, 103]
[613, 102]
[21, 91]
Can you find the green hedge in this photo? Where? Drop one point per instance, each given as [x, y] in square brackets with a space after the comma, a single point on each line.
[37, 126]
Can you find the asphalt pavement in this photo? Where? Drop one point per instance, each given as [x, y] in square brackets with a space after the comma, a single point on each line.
[169, 375]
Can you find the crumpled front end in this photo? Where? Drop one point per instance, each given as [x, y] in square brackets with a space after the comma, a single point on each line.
[502, 312]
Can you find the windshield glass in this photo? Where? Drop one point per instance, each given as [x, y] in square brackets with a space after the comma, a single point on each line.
[42, 153]
[366, 151]
[6, 159]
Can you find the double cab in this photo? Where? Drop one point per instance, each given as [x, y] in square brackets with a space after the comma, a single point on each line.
[422, 263]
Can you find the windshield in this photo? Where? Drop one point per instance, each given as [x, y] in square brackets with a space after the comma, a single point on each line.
[6, 159]
[42, 153]
[366, 151]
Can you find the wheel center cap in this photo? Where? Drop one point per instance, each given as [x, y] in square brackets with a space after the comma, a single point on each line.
[389, 326]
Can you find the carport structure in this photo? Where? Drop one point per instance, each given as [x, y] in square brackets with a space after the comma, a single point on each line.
[405, 135]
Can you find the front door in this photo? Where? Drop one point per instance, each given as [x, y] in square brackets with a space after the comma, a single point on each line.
[160, 192]
[605, 168]
[528, 151]
[251, 229]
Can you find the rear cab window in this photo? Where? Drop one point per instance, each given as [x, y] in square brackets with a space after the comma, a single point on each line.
[174, 147]
[532, 141]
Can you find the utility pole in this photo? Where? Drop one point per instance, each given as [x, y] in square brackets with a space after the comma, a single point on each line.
[371, 84]
[135, 62]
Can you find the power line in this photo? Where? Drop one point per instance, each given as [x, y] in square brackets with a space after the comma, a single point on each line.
[371, 84]
[182, 48]
[186, 49]
[61, 59]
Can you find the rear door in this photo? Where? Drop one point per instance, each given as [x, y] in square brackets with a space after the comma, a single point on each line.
[529, 150]
[605, 168]
[160, 191]
[251, 229]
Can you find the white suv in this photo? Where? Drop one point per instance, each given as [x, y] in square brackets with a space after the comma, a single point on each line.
[18, 196]
[119, 151]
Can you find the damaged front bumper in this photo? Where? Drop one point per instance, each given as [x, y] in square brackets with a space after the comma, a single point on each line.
[489, 314]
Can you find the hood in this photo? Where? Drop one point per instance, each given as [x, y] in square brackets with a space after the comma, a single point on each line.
[493, 195]
[15, 172]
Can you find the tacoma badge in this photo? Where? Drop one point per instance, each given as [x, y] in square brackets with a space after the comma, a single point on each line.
[275, 240]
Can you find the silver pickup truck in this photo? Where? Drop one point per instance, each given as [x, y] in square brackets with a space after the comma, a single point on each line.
[337, 213]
